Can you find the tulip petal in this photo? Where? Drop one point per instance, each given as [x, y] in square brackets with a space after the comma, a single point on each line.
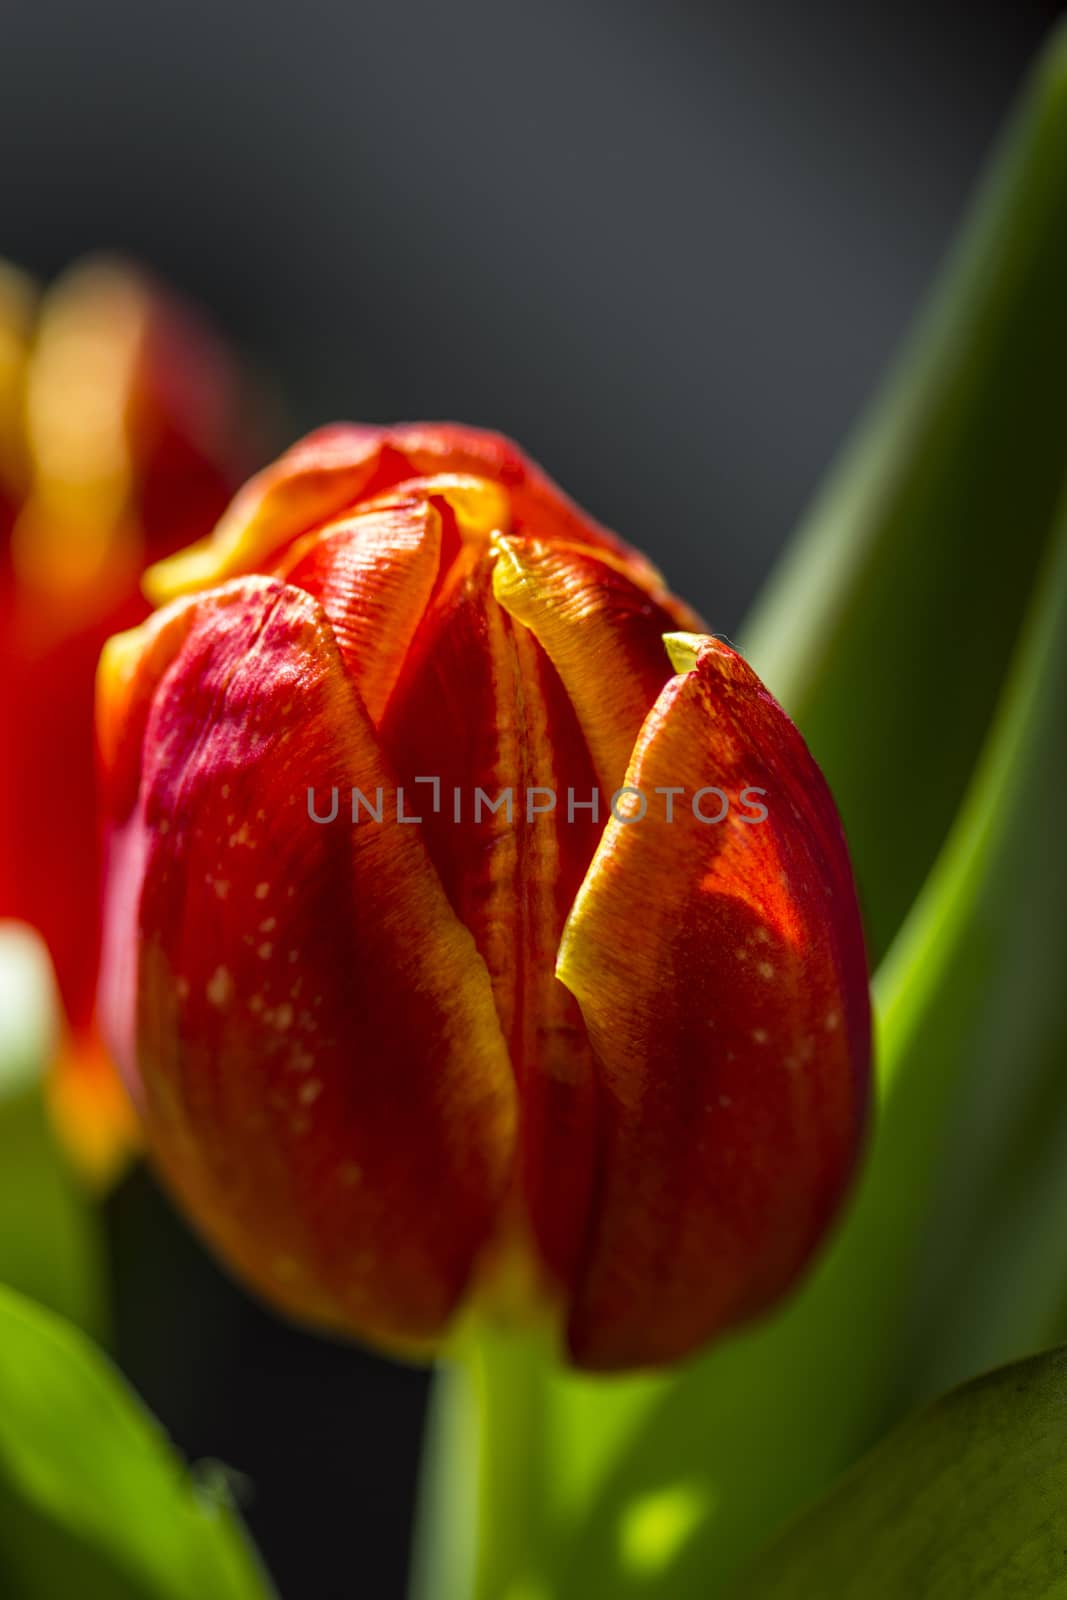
[91, 1109]
[720, 972]
[373, 575]
[333, 470]
[602, 632]
[137, 431]
[18, 308]
[480, 709]
[306, 1026]
[318, 479]
[538, 505]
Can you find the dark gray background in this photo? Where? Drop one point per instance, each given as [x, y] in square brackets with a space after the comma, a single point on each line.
[669, 247]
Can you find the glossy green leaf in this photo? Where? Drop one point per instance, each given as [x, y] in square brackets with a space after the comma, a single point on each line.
[93, 1501]
[915, 566]
[50, 1233]
[965, 1502]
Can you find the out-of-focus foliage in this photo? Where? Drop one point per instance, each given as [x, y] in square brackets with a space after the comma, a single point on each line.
[969, 1499]
[93, 1502]
[50, 1245]
[919, 635]
[890, 625]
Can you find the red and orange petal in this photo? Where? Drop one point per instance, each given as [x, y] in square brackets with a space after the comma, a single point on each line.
[720, 973]
[48, 843]
[602, 632]
[373, 574]
[90, 1108]
[135, 435]
[307, 1028]
[341, 467]
[480, 708]
[18, 309]
[49, 878]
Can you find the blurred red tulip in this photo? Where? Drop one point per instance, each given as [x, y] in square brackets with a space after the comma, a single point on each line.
[607, 1067]
[120, 438]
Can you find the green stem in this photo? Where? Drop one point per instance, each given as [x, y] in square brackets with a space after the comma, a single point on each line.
[507, 1374]
[481, 1505]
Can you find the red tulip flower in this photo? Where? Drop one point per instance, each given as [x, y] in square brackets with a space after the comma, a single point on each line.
[478, 931]
[119, 440]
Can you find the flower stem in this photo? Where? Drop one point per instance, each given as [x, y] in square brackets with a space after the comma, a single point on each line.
[481, 1504]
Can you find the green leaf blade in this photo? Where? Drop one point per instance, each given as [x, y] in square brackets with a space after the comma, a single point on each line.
[967, 1501]
[93, 1501]
[906, 587]
[51, 1245]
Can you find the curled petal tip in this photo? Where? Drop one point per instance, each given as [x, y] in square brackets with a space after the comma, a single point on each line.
[196, 567]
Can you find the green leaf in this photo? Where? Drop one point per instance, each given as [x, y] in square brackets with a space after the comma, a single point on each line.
[50, 1230]
[93, 1501]
[965, 1502]
[888, 629]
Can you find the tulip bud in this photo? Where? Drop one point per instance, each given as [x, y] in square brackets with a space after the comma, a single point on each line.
[479, 932]
[119, 440]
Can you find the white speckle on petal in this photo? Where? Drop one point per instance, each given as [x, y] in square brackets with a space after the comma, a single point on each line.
[219, 987]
